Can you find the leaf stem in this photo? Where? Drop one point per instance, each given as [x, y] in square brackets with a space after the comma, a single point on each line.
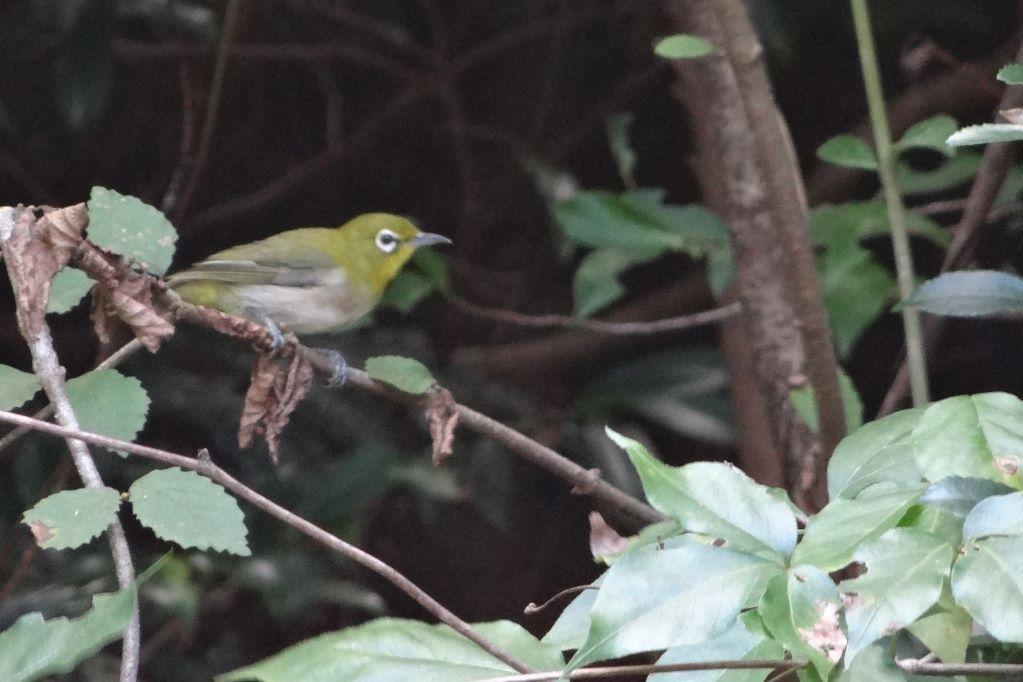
[915, 358]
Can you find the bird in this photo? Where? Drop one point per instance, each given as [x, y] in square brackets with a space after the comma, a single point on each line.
[309, 280]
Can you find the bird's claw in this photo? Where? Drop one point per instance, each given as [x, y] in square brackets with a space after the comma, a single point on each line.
[276, 336]
[339, 375]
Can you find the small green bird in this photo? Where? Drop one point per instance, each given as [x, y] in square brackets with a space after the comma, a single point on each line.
[311, 279]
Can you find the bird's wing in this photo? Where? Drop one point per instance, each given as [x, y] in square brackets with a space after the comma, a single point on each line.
[250, 264]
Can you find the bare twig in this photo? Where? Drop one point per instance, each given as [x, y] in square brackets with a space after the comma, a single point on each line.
[611, 672]
[332, 542]
[50, 374]
[532, 607]
[920, 667]
[671, 324]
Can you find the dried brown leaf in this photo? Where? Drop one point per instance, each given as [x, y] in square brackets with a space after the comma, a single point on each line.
[63, 228]
[442, 414]
[605, 542]
[277, 387]
[32, 263]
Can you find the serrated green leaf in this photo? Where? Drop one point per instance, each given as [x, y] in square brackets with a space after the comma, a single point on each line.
[737, 643]
[131, 228]
[16, 387]
[970, 294]
[998, 515]
[406, 291]
[905, 571]
[985, 133]
[656, 598]
[1011, 74]
[68, 288]
[978, 436]
[618, 140]
[189, 509]
[835, 532]
[801, 609]
[848, 151]
[879, 451]
[802, 400]
[570, 629]
[33, 648]
[109, 403]
[405, 374]
[72, 517]
[988, 583]
[930, 133]
[398, 649]
[683, 46]
[715, 499]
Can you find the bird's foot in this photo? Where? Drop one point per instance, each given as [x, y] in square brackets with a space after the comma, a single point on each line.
[339, 374]
[277, 339]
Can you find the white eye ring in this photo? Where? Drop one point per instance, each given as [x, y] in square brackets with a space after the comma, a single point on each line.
[387, 241]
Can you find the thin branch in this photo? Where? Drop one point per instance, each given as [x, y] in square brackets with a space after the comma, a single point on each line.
[915, 358]
[206, 468]
[611, 672]
[920, 667]
[50, 374]
[212, 106]
[671, 324]
[532, 607]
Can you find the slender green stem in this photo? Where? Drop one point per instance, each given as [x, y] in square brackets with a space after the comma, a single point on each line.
[915, 359]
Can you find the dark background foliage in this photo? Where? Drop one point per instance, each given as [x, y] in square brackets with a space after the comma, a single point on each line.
[436, 109]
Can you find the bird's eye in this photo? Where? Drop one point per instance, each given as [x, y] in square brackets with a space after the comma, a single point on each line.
[387, 241]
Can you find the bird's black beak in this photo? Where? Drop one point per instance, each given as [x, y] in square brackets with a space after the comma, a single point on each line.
[428, 238]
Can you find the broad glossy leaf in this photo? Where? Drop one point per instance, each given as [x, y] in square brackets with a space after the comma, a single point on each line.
[930, 133]
[33, 648]
[683, 46]
[16, 387]
[975, 293]
[905, 571]
[987, 580]
[878, 451]
[833, 534]
[72, 517]
[68, 288]
[849, 151]
[945, 629]
[801, 610]
[717, 499]
[738, 643]
[131, 228]
[189, 509]
[109, 403]
[978, 436]
[985, 133]
[396, 649]
[655, 598]
[405, 374]
[958, 495]
[999, 515]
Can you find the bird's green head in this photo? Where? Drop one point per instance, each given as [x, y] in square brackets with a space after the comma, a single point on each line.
[378, 245]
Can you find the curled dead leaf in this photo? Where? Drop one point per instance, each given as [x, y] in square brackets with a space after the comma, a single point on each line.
[826, 634]
[277, 386]
[32, 263]
[442, 414]
[63, 228]
[605, 542]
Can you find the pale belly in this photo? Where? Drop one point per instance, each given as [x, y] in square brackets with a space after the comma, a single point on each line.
[304, 310]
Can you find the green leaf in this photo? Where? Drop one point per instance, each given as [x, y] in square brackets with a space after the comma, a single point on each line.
[16, 387]
[737, 643]
[570, 629]
[716, 499]
[855, 287]
[835, 532]
[1011, 74]
[131, 228]
[72, 517]
[905, 570]
[879, 451]
[978, 436]
[801, 610]
[999, 515]
[945, 629]
[954, 172]
[406, 291]
[189, 509]
[985, 133]
[802, 400]
[864, 219]
[398, 649]
[970, 294]
[656, 598]
[848, 151]
[595, 284]
[929, 134]
[683, 46]
[405, 374]
[33, 648]
[944, 506]
[618, 139]
[988, 583]
[109, 403]
[434, 266]
[877, 664]
[68, 288]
